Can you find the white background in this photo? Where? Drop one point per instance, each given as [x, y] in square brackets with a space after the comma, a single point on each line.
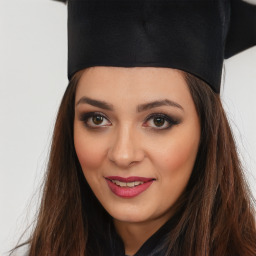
[33, 77]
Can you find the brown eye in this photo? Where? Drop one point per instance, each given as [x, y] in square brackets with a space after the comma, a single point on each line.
[159, 121]
[97, 119]
[94, 120]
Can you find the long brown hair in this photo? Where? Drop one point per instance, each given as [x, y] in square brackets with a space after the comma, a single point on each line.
[218, 216]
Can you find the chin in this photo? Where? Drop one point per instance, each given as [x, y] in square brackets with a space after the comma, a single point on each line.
[129, 215]
[130, 218]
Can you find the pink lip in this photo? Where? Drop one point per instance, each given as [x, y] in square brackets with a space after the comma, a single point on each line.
[127, 192]
[129, 179]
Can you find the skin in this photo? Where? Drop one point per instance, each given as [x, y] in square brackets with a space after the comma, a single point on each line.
[126, 144]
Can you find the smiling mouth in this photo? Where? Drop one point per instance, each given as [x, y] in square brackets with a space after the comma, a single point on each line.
[129, 182]
[128, 187]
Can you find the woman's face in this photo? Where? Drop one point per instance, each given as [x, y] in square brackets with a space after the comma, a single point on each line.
[136, 135]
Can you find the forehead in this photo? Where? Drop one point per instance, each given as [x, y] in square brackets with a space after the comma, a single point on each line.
[131, 84]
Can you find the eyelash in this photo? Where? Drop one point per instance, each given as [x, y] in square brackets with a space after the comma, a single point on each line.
[84, 117]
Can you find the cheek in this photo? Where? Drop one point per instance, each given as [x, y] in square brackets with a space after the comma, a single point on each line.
[174, 166]
[180, 156]
[176, 159]
[90, 150]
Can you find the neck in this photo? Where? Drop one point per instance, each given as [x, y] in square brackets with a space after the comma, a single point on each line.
[134, 235]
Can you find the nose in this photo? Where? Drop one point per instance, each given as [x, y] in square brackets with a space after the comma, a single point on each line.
[125, 149]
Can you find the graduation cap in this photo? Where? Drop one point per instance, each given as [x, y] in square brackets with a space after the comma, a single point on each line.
[191, 35]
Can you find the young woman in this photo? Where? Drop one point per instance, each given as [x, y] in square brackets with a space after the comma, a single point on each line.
[143, 161]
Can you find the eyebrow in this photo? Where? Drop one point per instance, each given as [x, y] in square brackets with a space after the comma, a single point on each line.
[140, 108]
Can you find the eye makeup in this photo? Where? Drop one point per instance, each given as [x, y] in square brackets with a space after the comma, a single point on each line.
[97, 120]
[168, 121]
[89, 116]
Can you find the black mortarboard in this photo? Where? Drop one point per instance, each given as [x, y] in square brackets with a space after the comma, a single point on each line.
[194, 36]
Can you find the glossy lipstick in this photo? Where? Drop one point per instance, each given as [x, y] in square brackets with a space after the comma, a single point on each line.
[135, 186]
